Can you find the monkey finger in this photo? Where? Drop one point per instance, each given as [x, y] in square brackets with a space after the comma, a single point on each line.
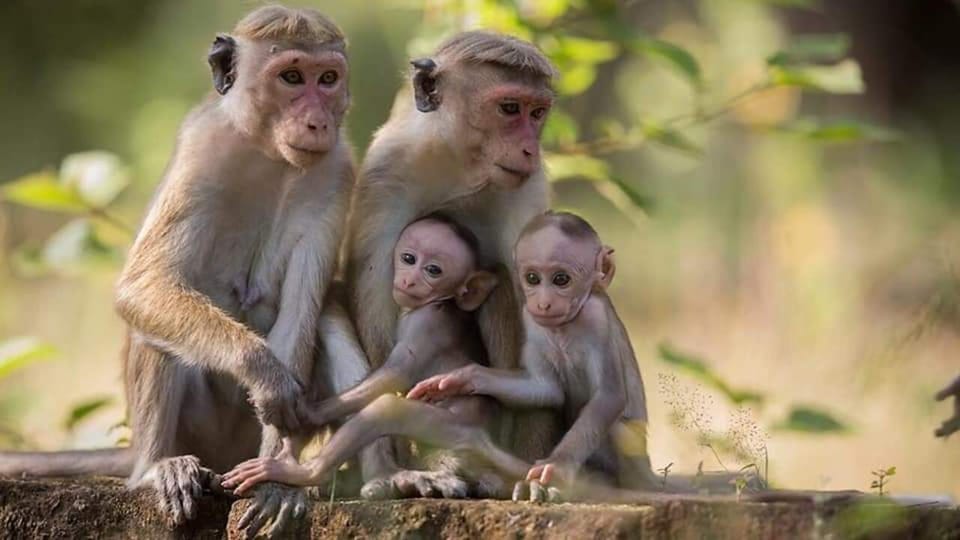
[534, 473]
[554, 495]
[279, 524]
[948, 427]
[547, 474]
[259, 512]
[536, 492]
[519, 491]
[951, 389]
[250, 481]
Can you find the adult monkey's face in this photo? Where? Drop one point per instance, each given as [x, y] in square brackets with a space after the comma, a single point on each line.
[492, 115]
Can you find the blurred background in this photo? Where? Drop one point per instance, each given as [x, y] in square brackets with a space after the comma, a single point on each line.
[779, 179]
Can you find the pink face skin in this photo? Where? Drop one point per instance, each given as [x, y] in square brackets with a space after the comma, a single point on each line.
[557, 274]
[519, 114]
[431, 263]
[309, 90]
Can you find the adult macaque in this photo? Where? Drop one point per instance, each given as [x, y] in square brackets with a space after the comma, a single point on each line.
[466, 144]
[437, 285]
[577, 356]
[952, 424]
[223, 288]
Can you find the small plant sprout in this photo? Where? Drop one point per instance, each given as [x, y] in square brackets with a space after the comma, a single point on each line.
[665, 471]
[740, 484]
[882, 479]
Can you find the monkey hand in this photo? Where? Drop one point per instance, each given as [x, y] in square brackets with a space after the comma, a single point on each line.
[275, 392]
[439, 387]
[951, 424]
[179, 482]
[314, 416]
[282, 506]
[542, 480]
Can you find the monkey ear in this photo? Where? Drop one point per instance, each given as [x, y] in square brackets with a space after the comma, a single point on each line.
[222, 60]
[425, 85]
[605, 267]
[476, 290]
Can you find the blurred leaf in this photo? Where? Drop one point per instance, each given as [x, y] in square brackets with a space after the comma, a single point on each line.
[18, 352]
[564, 167]
[822, 47]
[43, 190]
[841, 131]
[669, 137]
[73, 245]
[84, 409]
[561, 129]
[841, 78]
[698, 369]
[27, 261]
[544, 11]
[891, 471]
[616, 190]
[811, 420]
[677, 57]
[575, 79]
[97, 177]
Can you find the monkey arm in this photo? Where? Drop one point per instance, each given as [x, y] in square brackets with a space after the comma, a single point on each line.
[385, 380]
[157, 302]
[597, 418]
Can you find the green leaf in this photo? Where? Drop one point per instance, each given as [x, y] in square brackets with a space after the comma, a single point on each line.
[641, 201]
[841, 78]
[84, 409]
[891, 471]
[811, 420]
[575, 79]
[669, 137]
[841, 131]
[42, 190]
[97, 177]
[675, 56]
[19, 352]
[819, 47]
[564, 167]
[698, 369]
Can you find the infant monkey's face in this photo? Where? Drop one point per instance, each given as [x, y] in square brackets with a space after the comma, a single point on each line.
[430, 263]
[557, 274]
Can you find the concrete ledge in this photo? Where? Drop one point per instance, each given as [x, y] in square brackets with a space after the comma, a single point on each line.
[98, 508]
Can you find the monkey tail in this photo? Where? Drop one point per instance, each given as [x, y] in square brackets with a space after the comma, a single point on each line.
[105, 461]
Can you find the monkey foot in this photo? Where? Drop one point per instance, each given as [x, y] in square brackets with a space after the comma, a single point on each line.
[179, 482]
[416, 484]
[277, 504]
[535, 492]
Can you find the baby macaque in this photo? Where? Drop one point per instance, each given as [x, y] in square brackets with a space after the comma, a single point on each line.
[437, 285]
[577, 356]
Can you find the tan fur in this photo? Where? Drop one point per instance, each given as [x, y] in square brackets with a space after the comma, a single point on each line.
[414, 167]
[224, 285]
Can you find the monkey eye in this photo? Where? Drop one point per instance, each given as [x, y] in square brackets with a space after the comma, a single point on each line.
[433, 270]
[561, 279]
[292, 76]
[531, 278]
[327, 78]
[510, 108]
[408, 259]
[539, 112]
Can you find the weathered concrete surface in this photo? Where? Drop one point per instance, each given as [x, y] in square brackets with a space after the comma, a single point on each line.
[101, 508]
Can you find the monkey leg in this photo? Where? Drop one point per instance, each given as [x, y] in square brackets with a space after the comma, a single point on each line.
[157, 403]
[392, 415]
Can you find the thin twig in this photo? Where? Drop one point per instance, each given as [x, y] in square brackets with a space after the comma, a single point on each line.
[111, 219]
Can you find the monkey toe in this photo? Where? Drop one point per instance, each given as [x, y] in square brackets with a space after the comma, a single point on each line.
[378, 489]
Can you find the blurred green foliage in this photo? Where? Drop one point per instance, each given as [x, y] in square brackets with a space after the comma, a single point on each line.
[771, 208]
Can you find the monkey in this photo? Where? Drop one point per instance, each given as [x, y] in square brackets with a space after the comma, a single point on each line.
[952, 424]
[466, 143]
[223, 287]
[577, 356]
[437, 286]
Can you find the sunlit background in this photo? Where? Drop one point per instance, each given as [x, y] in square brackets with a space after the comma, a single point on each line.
[779, 179]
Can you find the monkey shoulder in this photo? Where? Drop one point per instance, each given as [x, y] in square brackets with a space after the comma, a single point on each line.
[595, 316]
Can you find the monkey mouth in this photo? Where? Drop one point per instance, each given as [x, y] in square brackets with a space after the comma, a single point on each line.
[523, 175]
[311, 151]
